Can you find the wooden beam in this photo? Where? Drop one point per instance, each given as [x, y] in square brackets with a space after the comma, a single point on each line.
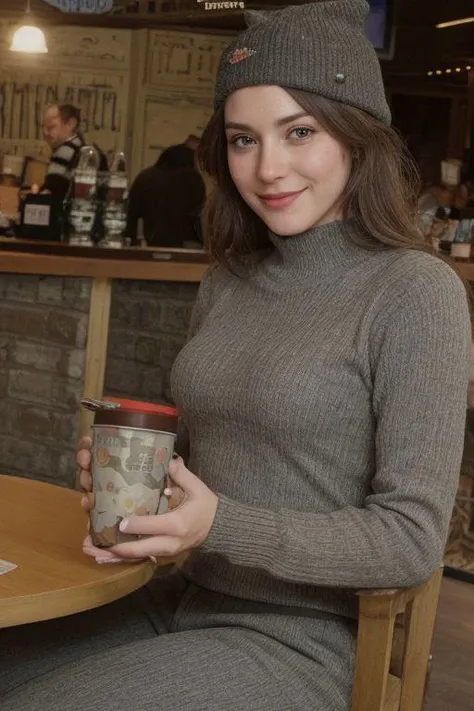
[457, 128]
[96, 349]
[471, 109]
[25, 263]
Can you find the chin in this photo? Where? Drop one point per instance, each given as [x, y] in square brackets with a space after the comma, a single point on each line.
[289, 226]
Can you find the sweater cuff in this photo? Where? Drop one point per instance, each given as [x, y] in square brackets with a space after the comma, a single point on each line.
[243, 534]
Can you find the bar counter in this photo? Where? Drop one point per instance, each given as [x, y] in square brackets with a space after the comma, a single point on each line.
[60, 259]
[102, 267]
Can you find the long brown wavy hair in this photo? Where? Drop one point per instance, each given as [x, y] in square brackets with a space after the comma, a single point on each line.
[380, 196]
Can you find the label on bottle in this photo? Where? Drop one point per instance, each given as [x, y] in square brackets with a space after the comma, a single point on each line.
[37, 215]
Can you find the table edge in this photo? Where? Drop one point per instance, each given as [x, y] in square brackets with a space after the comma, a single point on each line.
[46, 605]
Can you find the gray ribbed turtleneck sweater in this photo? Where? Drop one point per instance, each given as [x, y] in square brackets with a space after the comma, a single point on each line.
[325, 399]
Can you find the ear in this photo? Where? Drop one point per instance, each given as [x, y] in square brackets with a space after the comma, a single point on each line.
[252, 17]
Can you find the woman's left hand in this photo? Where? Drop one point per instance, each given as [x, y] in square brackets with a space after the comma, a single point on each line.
[168, 534]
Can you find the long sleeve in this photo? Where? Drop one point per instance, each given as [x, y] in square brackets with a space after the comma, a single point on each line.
[57, 185]
[419, 358]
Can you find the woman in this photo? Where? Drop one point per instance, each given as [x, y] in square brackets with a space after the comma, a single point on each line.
[323, 387]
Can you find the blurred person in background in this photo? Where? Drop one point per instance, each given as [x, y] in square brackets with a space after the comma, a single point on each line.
[168, 197]
[61, 130]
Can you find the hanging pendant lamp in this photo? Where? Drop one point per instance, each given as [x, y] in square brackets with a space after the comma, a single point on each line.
[28, 38]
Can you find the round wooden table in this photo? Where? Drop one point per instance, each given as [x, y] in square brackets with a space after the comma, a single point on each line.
[41, 530]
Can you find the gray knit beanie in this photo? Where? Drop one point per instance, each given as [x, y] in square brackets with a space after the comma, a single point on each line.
[319, 47]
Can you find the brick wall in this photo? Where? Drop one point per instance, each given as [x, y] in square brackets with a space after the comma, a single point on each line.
[148, 327]
[43, 331]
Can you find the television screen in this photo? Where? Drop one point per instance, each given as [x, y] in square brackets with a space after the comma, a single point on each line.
[380, 26]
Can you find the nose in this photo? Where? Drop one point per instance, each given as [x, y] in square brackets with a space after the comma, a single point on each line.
[272, 162]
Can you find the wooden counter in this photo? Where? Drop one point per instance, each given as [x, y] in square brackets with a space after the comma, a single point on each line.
[59, 259]
[102, 266]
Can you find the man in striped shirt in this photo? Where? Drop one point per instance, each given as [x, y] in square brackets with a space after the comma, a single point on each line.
[61, 131]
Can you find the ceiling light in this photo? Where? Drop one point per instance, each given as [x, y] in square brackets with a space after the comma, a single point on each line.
[453, 23]
[28, 38]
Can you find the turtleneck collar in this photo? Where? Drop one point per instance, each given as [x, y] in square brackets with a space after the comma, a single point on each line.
[313, 254]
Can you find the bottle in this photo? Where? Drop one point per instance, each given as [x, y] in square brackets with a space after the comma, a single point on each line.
[115, 213]
[83, 198]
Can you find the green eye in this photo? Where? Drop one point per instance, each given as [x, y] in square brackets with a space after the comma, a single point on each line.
[301, 132]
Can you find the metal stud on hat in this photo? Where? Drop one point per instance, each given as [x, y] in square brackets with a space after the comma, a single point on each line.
[340, 78]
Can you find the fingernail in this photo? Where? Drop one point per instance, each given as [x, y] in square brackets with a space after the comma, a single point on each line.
[101, 561]
[123, 525]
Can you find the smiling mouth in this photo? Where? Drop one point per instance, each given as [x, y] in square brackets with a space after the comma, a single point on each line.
[276, 200]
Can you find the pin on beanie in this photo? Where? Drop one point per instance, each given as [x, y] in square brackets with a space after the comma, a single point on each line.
[320, 47]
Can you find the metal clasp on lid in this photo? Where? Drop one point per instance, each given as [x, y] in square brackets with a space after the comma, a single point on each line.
[94, 405]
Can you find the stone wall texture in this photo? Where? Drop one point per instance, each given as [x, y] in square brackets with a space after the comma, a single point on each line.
[148, 327]
[43, 333]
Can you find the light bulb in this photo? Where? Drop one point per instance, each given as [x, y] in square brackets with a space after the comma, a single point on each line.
[29, 39]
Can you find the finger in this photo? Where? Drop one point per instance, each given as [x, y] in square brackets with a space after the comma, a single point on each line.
[85, 480]
[88, 502]
[105, 555]
[154, 546]
[181, 476]
[166, 524]
[90, 549]
[85, 443]
[175, 497]
[83, 458]
[101, 556]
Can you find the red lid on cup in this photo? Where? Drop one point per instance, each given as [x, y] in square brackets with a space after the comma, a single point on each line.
[146, 408]
[137, 415]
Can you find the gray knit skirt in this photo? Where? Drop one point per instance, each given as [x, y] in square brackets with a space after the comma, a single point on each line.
[176, 647]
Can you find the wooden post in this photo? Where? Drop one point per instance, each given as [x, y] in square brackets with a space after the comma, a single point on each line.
[96, 350]
[458, 128]
[470, 117]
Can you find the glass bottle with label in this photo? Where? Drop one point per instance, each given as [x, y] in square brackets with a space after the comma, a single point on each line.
[115, 212]
[82, 206]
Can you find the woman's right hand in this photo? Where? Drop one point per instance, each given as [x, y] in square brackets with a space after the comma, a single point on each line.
[85, 477]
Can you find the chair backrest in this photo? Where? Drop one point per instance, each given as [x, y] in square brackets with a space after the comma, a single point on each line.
[394, 637]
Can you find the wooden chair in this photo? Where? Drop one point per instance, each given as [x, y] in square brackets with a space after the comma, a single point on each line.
[393, 647]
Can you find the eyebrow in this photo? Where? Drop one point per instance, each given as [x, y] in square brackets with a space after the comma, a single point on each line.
[281, 122]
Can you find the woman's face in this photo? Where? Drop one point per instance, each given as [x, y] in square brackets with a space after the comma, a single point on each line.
[286, 167]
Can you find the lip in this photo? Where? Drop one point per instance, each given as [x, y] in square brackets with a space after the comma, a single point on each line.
[279, 200]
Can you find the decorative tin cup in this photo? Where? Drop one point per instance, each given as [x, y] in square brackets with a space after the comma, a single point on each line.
[132, 446]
